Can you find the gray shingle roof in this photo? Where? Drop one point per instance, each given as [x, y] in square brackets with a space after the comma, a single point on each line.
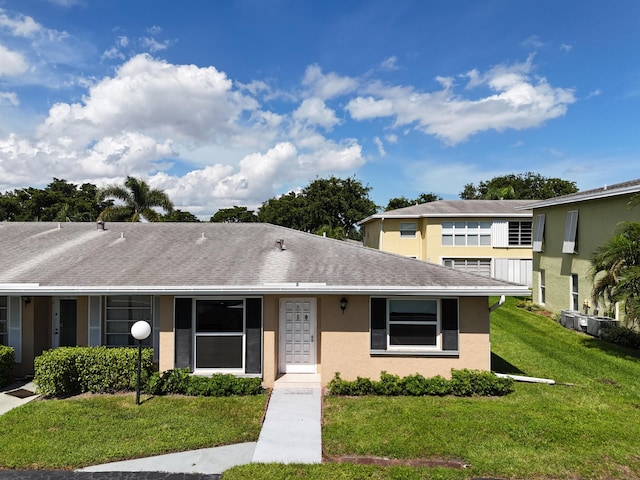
[624, 188]
[457, 208]
[209, 258]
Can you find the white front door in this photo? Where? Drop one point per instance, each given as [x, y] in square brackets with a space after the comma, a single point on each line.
[297, 335]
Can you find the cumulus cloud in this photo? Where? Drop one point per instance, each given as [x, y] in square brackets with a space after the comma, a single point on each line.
[9, 98]
[11, 63]
[519, 100]
[20, 25]
[314, 111]
[328, 85]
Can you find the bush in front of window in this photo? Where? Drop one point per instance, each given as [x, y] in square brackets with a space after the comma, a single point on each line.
[7, 362]
[180, 382]
[463, 383]
[69, 371]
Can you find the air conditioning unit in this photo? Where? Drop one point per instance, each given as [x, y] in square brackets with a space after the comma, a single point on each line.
[595, 324]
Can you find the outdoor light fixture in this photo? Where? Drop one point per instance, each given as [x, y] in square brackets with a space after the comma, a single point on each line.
[343, 304]
[140, 331]
[26, 300]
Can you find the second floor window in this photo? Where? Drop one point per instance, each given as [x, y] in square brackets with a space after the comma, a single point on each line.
[407, 229]
[466, 233]
[519, 233]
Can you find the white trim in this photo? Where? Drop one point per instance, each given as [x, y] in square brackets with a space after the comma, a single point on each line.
[500, 234]
[14, 321]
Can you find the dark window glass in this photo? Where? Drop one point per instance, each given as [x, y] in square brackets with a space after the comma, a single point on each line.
[219, 316]
[402, 334]
[219, 351]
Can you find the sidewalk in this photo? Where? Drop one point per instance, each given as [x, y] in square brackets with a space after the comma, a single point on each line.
[291, 433]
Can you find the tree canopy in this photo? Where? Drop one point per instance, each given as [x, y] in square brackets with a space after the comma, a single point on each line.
[402, 202]
[521, 186]
[234, 215]
[327, 205]
[138, 201]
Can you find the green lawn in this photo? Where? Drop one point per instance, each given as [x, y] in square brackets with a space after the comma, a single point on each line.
[76, 432]
[587, 427]
[588, 430]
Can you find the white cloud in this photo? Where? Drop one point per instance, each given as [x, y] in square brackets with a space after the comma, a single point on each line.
[314, 111]
[19, 26]
[390, 64]
[11, 63]
[9, 98]
[328, 85]
[565, 47]
[380, 146]
[519, 101]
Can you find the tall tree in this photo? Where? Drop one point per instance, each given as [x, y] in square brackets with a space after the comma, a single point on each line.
[521, 186]
[234, 215]
[615, 271]
[138, 201]
[327, 205]
[180, 216]
[402, 202]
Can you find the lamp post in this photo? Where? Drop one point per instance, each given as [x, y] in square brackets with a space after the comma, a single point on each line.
[140, 330]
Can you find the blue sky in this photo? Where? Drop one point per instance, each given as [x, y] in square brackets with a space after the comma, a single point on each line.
[233, 102]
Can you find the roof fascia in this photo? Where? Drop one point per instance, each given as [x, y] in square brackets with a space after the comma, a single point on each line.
[593, 196]
[34, 289]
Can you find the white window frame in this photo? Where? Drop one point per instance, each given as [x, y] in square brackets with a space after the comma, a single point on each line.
[569, 244]
[4, 320]
[470, 265]
[575, 293]
[136, 312]
[466, 234]
[197, 334]
[520, 233]
[437, 323]
[542, 286]
[538, 233]
[408, 229]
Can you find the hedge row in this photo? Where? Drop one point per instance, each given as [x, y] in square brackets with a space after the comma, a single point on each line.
[624, 336]
[7, 362]
[68, 371]
[463, 383]
[180, 381]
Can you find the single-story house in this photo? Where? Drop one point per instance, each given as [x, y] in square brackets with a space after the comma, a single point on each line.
[488, 237]
[249, 299]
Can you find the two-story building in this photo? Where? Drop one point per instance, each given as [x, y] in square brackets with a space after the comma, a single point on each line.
[486, 237]
[567, 231]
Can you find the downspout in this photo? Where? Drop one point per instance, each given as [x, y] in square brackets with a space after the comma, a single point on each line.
[497, 305]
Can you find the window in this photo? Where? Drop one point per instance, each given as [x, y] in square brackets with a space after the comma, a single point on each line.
[4, 321]
[407, 229]
[122, 311]
[538, 233]
[403, 325]
[570, 243]
[543, 292]
[519, 233]
[574, 292]
[480, 266]
[219, 334]
[466, 233]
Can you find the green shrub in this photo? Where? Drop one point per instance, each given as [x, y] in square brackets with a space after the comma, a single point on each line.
[463, 383]
[623, 336]
[68, 371]
[7, 362]
[180, 381]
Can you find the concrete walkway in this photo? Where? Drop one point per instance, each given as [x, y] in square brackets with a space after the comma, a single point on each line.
[291, 433]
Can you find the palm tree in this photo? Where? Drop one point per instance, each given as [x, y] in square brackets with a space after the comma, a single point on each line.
[138, 202]
[615, 270]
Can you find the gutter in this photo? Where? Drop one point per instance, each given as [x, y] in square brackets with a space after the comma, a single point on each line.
[497, 305]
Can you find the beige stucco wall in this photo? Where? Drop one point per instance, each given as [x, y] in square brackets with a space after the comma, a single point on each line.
[166, 337]
[346, 345]
[597, 223]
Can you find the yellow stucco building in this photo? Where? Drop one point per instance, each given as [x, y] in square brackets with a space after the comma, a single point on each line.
[487, 237]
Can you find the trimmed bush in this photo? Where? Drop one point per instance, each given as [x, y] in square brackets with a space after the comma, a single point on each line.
[68, 371]
[180, 381]
[463, 383]
[7, 362]
[623, 336]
